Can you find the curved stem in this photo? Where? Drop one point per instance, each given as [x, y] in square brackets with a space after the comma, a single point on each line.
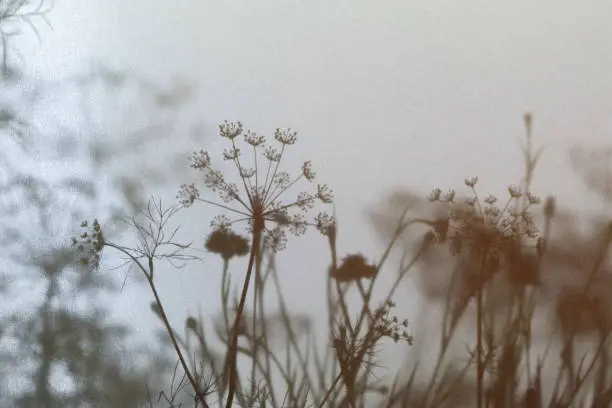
[162, 312]
[192, 380]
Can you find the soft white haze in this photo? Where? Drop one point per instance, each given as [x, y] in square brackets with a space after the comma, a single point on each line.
[384, 93]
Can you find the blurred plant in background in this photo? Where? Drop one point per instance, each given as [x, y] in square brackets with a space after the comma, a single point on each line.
[526, 358]
[14, 15]
[59, 346]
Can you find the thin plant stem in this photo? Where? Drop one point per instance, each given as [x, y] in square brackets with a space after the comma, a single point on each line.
[287, 323]
[479, 326]
[232, 352]
[162, 312]
[329, 391]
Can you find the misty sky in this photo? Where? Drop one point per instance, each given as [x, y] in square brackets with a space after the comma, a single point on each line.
[414, 94]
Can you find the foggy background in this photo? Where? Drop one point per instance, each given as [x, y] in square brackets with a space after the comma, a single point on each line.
[409, 94]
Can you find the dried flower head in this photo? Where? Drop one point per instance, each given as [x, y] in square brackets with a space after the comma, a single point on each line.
[227, 244]
[258, 197]
[353, 267]
[230, 130]
[390, 326]
[435, 195]
[483, 226]
[191, 323]
[471, 181]
[89, 244]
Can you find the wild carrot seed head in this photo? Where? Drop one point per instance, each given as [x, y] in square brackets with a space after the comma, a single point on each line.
[259, 197]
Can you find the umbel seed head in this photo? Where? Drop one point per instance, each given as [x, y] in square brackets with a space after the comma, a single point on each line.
[261, 198]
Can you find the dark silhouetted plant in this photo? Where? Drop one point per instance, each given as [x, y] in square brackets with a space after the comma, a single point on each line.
[497, 269]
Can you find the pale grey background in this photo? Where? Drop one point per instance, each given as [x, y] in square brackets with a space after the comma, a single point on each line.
[404, 93]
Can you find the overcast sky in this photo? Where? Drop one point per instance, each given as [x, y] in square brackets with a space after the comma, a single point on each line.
[416, 94]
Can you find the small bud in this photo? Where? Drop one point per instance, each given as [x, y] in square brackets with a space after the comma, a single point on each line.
[528, 119]
[191, 323]
[156, 309]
